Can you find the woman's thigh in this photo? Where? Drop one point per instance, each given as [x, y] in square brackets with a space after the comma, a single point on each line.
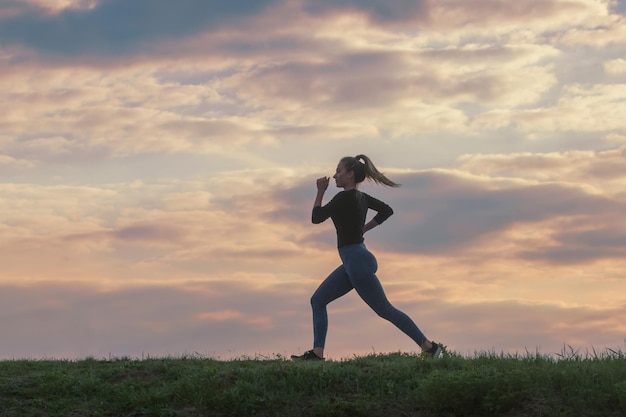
[337, 284]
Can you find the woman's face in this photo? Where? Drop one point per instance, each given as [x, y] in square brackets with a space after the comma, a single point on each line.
[343, 177]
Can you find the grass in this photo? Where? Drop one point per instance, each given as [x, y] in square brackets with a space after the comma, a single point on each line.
[388, 385]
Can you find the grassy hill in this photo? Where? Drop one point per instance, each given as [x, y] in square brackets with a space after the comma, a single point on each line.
[378, 385]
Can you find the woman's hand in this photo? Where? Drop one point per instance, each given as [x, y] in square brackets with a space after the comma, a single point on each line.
[322, 184]
[370, 225]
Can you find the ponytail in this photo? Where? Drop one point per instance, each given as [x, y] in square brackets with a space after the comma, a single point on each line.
[366, 169]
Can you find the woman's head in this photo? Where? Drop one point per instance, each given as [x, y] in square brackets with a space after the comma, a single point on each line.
[358, 168]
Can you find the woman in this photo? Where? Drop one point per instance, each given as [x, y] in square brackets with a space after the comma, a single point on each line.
[348, 211]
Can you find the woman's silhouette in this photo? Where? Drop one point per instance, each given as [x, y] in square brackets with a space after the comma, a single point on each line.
[348, 211]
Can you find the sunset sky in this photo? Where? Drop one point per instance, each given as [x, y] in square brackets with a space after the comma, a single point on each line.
[158, 162]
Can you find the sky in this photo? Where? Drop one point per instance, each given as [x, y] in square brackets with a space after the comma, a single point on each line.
[158, 163]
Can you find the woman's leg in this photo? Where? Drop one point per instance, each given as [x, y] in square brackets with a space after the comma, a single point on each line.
[362, 273]
[371, 291]
[336, 285]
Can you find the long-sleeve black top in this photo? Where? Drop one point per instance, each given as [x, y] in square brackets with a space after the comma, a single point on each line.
[348, 210]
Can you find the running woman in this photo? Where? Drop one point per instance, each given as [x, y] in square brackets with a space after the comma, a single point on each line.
[348, 211]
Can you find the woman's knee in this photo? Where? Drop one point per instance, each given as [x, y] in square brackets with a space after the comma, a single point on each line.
[316, 301]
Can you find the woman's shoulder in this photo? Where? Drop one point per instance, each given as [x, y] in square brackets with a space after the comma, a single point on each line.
[350, 193]
[346, 195]
[343, 193]
[363, 194]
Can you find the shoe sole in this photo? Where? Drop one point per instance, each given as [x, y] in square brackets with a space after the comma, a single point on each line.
[437, 352]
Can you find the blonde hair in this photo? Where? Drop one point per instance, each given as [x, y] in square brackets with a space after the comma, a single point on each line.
[366, 169]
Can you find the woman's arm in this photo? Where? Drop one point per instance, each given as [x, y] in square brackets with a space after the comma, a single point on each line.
[319, 214]
[370, 225]
[383, 212]
[322, 186]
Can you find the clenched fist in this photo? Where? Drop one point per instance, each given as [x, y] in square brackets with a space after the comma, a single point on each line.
[322, 183]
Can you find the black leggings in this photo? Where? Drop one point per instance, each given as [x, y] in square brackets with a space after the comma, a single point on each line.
[358, 271]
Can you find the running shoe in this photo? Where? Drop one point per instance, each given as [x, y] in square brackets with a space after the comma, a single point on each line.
[307, 356]
[434, 351]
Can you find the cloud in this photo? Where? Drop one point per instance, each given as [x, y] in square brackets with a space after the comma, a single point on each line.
[441, 212]
[580, 108]
[450, 213]
[140, 231]
[169, 155]
[119, 27]
[485, 15]
[615, 66]
[226, 320]
[78, 320]
[379, 11]
[250, 218]
[46, 6]
[231, 89]
[116, 27]
[616, 137]
[225, 266]
[10, 161]
[400, 78]
[80, 114]
[152, 233]
[544, 327]
[603, 169]
[574, 252]
[606, 31]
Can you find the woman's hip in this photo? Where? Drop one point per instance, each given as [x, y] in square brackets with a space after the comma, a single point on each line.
[357, 259]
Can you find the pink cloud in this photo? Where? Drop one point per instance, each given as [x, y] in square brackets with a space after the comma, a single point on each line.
[75, 321]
